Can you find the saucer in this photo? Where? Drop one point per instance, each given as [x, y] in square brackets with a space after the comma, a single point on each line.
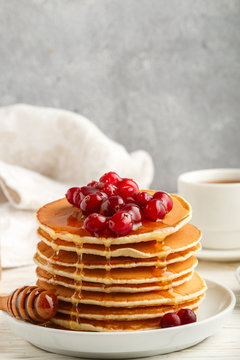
[237, 273]
[219, 255]
[213, 313]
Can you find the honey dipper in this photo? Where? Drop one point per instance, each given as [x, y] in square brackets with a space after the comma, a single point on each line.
[30, 303]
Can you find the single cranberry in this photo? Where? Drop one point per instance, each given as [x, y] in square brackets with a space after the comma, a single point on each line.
[112, 205]
[91, 203]
[95, 223]
[142, 198]
[111, 178]
[126, 192]
[93, 184]
[121, 223]
[86, 190]
[134, 211]
[108, 189]
[129, 182]
[77, 198]
[187, 316]
[165, 198]
[70, 193]
[170, 320]
[154, 210]
[129, 200]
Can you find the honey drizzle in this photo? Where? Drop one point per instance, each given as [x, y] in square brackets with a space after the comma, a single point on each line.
[108, 262]
[159, 268]
[54, 257]
[77, 294]
[107, 323]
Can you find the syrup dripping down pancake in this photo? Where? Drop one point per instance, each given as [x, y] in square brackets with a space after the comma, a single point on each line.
[188, 236]
[66, 258]
[91, 286]
[189, 290]
[100, 313]
[62, 220]
[121, 275]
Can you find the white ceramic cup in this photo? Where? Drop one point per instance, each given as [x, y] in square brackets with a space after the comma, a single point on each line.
[215, 206]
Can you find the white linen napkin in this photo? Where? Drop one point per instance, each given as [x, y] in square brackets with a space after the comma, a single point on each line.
[43, 151]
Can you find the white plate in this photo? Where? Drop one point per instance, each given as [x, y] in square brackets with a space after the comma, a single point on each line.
[219, 255]
[237, 273]
[213, 313]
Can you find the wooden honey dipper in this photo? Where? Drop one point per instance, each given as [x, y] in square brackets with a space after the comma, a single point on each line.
[30, 303]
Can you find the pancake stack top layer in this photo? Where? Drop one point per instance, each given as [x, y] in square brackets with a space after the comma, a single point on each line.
[118, 283]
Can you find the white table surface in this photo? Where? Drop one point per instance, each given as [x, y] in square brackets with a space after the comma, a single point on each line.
[223, 345]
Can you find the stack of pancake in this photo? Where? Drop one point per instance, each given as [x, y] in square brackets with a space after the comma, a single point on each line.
[118, 283]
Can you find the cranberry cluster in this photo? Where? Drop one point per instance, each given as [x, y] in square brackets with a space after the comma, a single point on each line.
[183, 317]
[117, 203]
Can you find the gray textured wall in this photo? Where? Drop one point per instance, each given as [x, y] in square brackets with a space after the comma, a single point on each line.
[162, 75]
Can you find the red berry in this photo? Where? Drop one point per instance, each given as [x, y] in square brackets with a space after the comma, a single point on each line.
[165, 198]
[142, 198]
[112, 205]
[170, 320]
[134, 211]
[70, 193]
[129, 200]
[93, 184]
[126, 192]
[108, 189]
[110, 178]
[86, 190]
[91, 203]
[129, 182]
[121, 223]
[80, 193]
[154, 210]
[95, 223]
[77, 198]
[187, 316]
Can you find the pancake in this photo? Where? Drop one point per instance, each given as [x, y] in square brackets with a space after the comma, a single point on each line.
[185, 238]
[62, 220]
[99, 313]
[66, 258]
[189, 290]
[81, 324]
[121, 276]
[91, 286]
